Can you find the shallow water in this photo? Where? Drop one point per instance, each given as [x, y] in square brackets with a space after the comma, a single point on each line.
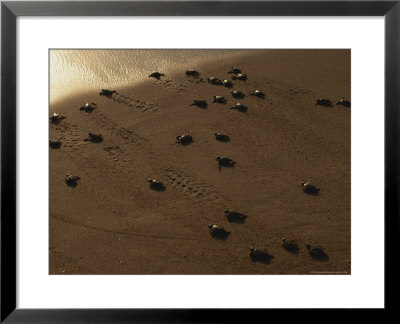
[73, 71]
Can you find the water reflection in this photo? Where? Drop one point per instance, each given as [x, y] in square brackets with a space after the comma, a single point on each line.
[81, 70]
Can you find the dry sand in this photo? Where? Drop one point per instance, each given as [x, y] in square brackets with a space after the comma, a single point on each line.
[112, 223]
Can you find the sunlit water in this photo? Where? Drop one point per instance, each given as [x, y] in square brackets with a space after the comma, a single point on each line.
[73, 71]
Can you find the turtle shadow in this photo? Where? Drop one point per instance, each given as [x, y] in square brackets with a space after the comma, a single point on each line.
[55, 146]
[185, 144]
[316, 193]
[321, 258]
[87, 110]
[71, 184]
[220, 237]
[96, 141]
[201, 107]
[237, 220]
[241, 110]
[159, 189]
[264, 260]
[292, 251]
[325, 105]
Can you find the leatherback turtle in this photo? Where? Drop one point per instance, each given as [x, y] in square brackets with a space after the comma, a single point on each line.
[107, 93]
[290, 245]
[241, 77]
[219, 99]
[239, 107]
[156, 75]
[192, 72]
[234, 216]
[200, 103]
[184, 139]
[317, 252]
[224, 161]
[237, 94]
[71, 180]
[221, 137]
[234, 70]
[323, 102]
[54, 144]
[258, 94]
[309, 188]
[94, 138]
[344, 102]
[214, 80]
[227, 83]
[218, 232]
[156, 185]
[56, 118]
[262, 256]
[88, 107]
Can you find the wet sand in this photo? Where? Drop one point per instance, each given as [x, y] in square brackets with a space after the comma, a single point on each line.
[112, 223]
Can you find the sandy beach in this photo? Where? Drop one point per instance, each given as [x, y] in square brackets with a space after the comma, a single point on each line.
[112, 223]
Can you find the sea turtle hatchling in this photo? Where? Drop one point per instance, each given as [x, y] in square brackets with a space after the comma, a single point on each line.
[94, 138]
[344, 102]
[323, 102]
[156, 75]
[224, 161]
[214, 80]
[258, 94]
[156, 185]
[219, 99]
[309, 188]
[71, 180]
[317, 252]
[237, 94]
[234, 70]
[54, 144]
[241, 77]
[221, 137]
[200, 103]
[262, 256]
[234, 216]
[88, 107]
[290, 245]
[227, 83]
[184, 139]
[239, 107]
[218, 232]
[192, 72]
[107, 93]
[56, 118]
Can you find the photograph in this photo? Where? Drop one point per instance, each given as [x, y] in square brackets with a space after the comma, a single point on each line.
[199, 161]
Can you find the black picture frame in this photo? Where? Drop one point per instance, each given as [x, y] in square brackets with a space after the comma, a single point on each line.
[10, 10]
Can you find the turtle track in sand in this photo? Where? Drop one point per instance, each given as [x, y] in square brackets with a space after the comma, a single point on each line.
[172, 85]
[279, 88]
[134, 102]
[119, 158]
[70, 139]
[111, 231]
[196, 80]
[75, 146]
[194, 188]
[125, 134]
